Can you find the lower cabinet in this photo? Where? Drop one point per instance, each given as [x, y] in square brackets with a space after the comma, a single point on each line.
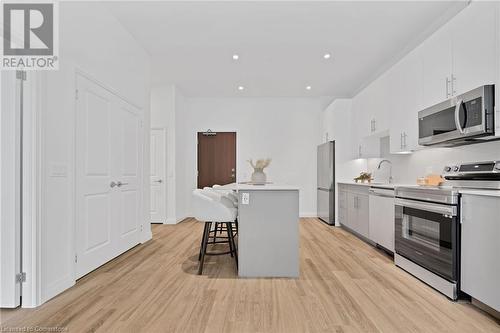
[354, 208]
[480, 263]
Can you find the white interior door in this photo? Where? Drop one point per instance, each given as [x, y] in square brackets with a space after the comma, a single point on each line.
[10, 187]
[108, 176]
[129, 175]
[158, 186]
[95, 156]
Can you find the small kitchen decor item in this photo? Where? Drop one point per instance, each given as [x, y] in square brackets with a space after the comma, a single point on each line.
[258, 175]
[430, 180]
[364, 177]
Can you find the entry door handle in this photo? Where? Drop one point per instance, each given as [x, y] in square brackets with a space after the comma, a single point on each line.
[119, 184]
[158, 181]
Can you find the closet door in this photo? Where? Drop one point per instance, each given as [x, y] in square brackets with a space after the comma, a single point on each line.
[129, 175]
[109, 148]
[94, 168]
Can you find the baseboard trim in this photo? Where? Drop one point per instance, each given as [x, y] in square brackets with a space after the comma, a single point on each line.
[308, 214]
[180, 220]
[170, 221]
[56, 288]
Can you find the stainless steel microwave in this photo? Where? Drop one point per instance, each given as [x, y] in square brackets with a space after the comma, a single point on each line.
[464, 119]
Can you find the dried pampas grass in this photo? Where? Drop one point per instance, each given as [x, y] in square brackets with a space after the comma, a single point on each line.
[260, 164]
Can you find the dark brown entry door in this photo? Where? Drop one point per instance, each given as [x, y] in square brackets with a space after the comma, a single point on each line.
[216, 158]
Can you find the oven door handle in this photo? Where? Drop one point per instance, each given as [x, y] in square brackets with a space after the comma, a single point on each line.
[427, 206]
[457, 116]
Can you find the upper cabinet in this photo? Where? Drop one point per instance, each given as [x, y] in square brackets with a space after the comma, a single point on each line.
[475, 38]
[436, 58]
[406, 86]
[462, 55]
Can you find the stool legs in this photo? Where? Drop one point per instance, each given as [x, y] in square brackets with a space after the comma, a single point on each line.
[206, 240]
[230, 234]
[206, 233]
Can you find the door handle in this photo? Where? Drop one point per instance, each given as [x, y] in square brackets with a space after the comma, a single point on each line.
[158, 181]
[112, 184]
[457, 116]
[120, 184]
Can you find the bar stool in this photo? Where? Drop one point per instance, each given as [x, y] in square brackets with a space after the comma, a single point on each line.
[228, 197]
[209, 209]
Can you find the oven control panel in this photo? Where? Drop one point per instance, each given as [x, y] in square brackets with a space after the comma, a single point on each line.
[473, 171]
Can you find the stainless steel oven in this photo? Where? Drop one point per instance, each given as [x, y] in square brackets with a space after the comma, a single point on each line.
[427, 235]
[464, 119]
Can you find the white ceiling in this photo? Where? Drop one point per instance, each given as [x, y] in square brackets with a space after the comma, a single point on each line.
[280, 44]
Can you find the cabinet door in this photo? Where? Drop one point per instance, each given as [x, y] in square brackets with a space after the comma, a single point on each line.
[352, 214]
[480, 261]
[362, 225]
[475, 58]
[406, 85]
[437, 67]
[342, 197]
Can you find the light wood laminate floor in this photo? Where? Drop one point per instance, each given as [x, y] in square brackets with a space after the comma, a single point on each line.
[345, 285]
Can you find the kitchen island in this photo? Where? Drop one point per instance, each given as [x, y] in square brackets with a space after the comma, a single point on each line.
[268, 230]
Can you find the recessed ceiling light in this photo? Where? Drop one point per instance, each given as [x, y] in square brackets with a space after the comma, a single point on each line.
[308, 88]
[241, 88]
[236, 57]
[327, 56]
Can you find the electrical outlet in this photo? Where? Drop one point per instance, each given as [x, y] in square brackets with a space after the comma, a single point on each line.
[245, 198]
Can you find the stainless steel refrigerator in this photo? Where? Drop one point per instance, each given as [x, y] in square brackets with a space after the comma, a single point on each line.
[326, 182]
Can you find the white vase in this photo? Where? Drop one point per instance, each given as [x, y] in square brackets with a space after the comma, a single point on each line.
[258, 176]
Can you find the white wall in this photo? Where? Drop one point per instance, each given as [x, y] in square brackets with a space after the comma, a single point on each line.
[166, 104]
[407, 168]
[93, 41]
[284, 129]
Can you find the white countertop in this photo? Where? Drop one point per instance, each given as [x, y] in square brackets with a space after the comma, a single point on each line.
[266, 187]
[487, 192]
[385, 185]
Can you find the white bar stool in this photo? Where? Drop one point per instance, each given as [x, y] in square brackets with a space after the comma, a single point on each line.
[209, 208]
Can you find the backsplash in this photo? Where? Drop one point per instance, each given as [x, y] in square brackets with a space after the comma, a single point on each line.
[407, 168]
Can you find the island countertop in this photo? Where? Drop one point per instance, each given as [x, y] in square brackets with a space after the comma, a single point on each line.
[265, 187]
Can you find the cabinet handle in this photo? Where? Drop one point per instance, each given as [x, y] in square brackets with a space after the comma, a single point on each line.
[453, 80]
[404, 140]
[359, 151]
[401, 140]
[447, 87]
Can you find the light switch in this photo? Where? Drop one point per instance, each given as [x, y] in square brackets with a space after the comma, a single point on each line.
[245, 198]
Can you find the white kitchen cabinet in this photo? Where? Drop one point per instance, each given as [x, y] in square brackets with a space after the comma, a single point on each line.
[362, 218]
[406, 84]
[381, 217]
[342, 205]
[368, 147]
[437, 66]
[475, 34]
[357, 210]
[480, 248]
[462, 55]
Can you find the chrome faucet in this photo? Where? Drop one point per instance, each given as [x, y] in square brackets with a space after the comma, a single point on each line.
[390, 168]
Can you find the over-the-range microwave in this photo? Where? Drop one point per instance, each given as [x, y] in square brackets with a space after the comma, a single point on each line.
[464, 119]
